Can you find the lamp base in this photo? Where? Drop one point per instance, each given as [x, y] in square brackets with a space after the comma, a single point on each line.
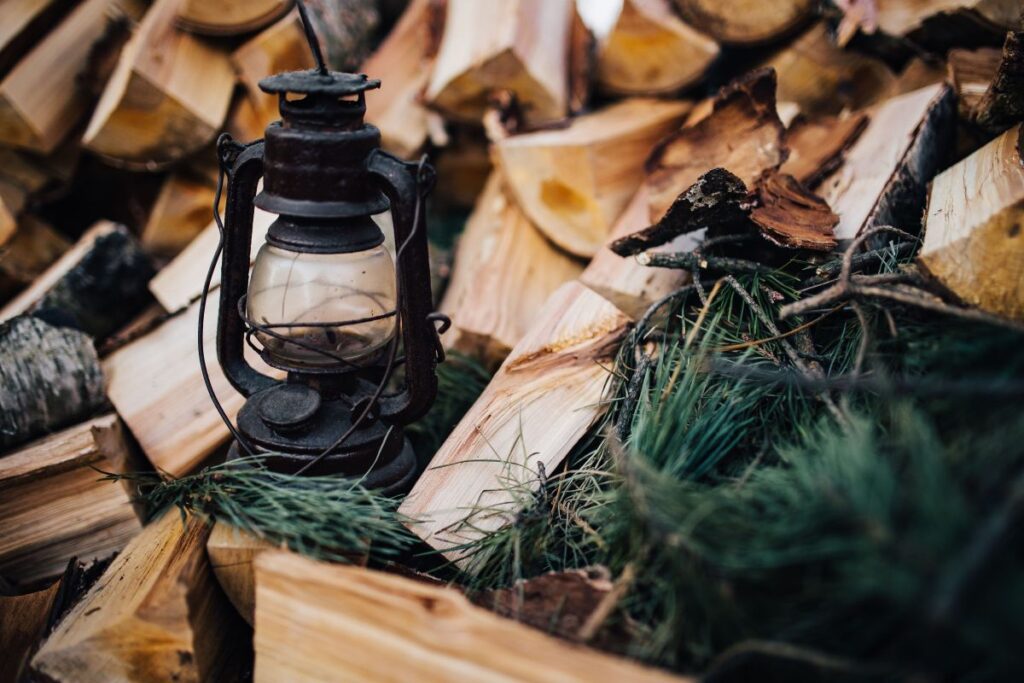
[390, 478]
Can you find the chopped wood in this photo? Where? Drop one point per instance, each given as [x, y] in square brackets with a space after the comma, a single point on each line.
[489, 46]
[1002, 105]
[311, 623]
[582, 62]
[743, 134]
[404, 60]
[574, 182]
[23, 23]
[971, 72]
[718, 198]
[157, 388]
[232, 554]
[465, 165]
[281, 47]
[50, 377]
[504, 271]
[55, 506]
[27, 254]
[229, 17]
[167, 98]
[745, 22]
[817, 147]
[974, 240]
[180, 282]
[884, 178]
[542, 400]
[919, 73]
[789, 215]
[649, 51]
[105, 265]
[823, 79]
[156, 614]
[939, 24]
[347, 30]
[8, 222]
[40, 101]
[182, 209]
[23, 621]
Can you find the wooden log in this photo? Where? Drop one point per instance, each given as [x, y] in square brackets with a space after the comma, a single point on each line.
[229, 17]
[973, 241]
[504, 272]
[1002, 104]
[232, 554]
[8, 222]
[488, 47]
[105, 265]
[817, 147]
[28, 253]
[40, 100]
[745, 22]
[886, 172]
[315, 619]
[970, 73]
[281, 47]
[156, 614]
[463, 167]
[23, 621]
[167, 98]
[542, 400]
[743, 134]
[54, 505]
[50, 377]
[939, 25]
[574, 182]
[181, 211]
[405, 60]
[347, 30]
[649, 51]
[23, 23]
[823, 79]
[157, 388]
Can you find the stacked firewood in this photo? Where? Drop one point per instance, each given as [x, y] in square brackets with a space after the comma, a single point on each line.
[585, 155]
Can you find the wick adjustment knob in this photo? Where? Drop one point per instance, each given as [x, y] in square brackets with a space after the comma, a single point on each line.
[288, 407]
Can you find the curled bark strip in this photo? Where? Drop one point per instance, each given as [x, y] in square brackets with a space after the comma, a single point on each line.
[792, 216]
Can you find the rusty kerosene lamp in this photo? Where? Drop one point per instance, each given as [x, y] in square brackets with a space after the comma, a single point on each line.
[325, 301]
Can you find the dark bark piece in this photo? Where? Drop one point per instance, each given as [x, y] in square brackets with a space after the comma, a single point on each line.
[346, 29]
[1002, 105]
[743, 133]
[816, 148]
[50, 377]
[717, 199]
[791, 216]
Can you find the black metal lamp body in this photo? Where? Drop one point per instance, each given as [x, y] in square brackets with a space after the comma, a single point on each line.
[325, 301]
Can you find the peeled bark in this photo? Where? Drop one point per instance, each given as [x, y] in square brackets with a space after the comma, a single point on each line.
[1002, 105]
[791, 216]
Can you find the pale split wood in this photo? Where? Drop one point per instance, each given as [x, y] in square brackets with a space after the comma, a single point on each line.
[542, 400]
[883, 180]
[521, 46]
[504, 271]
[181, 211]
[974, 231]
[156, 614]
[28, 253]
[232, 552]
[167, 97]
[574, 182]
[651, 51]
[23, 23]
[54, 506]
[229, 17]
[323, 622]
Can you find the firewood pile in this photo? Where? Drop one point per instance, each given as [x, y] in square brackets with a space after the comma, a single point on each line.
[694, 253]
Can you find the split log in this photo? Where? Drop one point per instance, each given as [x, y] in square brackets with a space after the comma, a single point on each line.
[54, 505]
[405, 61]
[490, 46]
[971, 72]
[27, 254]
[504, 272]
[745, 22]
[23, 622]
[106, 265]
[543, 399]
[939, 25]
[233, 554]
[167, 98]
[649, 51]
[818, 147]
[180, 282]
[182, 209]
[312, 617]
[50, 377]
[822, 79]
[743, 134]
[973, 240]
[281, 47]
[156, 614]
[229, 17]
[40, 100]
[884, 178]
[25, 22]
[157, 388]
[574, 182]
[1002, 104]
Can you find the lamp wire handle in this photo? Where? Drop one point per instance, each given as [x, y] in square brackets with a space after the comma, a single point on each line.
[311, 38]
